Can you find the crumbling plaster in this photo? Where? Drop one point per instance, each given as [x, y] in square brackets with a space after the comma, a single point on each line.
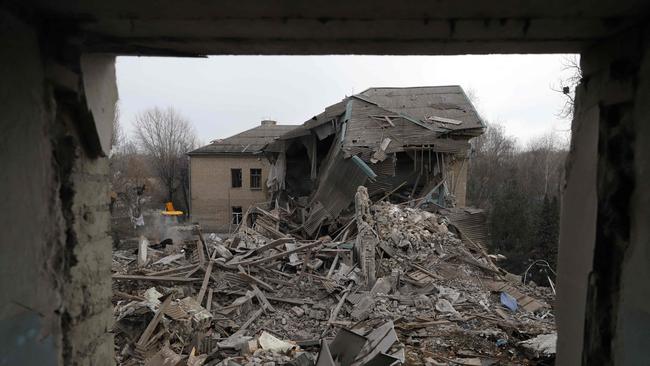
[56, 254]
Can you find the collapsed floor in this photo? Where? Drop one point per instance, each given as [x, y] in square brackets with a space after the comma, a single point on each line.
[400, 288]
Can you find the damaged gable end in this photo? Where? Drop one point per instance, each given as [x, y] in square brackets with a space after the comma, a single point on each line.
[399, 142]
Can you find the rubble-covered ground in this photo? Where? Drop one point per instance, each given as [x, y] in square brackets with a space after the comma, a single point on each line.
[421, 297]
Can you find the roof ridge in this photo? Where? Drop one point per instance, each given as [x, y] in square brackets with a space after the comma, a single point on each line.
[411, 87]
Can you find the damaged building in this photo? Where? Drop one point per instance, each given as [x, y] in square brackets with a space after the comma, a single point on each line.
[405, 143]
[59, 93]
[227, 176]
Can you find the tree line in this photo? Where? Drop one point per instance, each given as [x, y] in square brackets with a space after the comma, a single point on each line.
[519, 187]
[150, 167]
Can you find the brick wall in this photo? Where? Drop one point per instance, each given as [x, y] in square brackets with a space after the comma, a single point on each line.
[211, 191]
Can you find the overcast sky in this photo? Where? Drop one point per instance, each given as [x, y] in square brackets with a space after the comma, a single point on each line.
[224, 95]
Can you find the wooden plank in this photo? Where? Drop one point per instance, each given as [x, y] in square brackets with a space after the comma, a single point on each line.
[144, 338]
[273, 244]
[279, 255]
[193, 271]
[255, 281]
[444, 120]
[154, 278]
[266, 305]
[424, 270]
[270, 298]
[337, 309]
[172, 270]
[333, 266]
[204, 285]
[208, 304]
[199, 248]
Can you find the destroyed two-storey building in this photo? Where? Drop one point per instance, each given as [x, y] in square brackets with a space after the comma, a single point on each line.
[406, 143]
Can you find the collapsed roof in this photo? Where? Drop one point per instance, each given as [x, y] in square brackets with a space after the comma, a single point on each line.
[384, 138]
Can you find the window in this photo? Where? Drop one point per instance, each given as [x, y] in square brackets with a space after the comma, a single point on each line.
[236, 215]
[256, 178]
[235, 175]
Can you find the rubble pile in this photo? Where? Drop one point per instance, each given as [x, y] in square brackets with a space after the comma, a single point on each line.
[396, 286]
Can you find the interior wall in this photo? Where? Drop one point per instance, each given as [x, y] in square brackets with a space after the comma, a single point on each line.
[31, 221]
[55, 255]
[633, 331]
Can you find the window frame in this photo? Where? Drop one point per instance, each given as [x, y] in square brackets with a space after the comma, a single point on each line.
[236, 218]
[232, 178]
[259, 180]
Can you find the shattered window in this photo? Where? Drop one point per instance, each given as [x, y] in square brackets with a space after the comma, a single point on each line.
[236, 215]
[235, 175]
[256, 178]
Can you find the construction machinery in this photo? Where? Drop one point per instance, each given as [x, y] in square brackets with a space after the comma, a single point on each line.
[170, 215]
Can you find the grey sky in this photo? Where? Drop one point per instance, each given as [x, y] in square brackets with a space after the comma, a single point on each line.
[223, 95]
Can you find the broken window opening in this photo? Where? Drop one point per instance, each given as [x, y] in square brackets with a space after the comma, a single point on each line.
[256, 178]
[235, 178]
[236, 213]
[298, 172]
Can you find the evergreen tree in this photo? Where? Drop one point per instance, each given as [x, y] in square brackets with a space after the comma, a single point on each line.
[510, 225]
[546, 239]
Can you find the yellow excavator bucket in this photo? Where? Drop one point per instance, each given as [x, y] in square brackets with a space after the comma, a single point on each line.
[169, 210]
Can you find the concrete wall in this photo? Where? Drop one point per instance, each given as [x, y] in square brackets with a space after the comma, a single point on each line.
[604, 257]
[211, 191]
[55, 254]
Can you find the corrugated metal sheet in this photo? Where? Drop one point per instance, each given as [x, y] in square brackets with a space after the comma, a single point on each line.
[471, 222]
[337, 187]
[386, 167]
[316, 216]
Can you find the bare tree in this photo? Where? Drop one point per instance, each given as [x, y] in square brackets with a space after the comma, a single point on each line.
[567, 85]
[548, 152]
[519, 186]
[492, 156]
[129, 174]
[166, 137]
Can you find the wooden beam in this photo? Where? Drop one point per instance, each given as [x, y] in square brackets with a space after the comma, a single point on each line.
[154, 278]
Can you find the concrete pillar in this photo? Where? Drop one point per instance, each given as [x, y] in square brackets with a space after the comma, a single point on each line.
[55, 255]
[604, 257]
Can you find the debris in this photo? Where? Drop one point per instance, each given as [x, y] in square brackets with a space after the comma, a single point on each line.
[393, 286]
[143, 245]
[508, 301]
[273, 344]
[164, 357]
[298, 311]
[144, 337]
[169, 259]
[444, 306]
[541, 346]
